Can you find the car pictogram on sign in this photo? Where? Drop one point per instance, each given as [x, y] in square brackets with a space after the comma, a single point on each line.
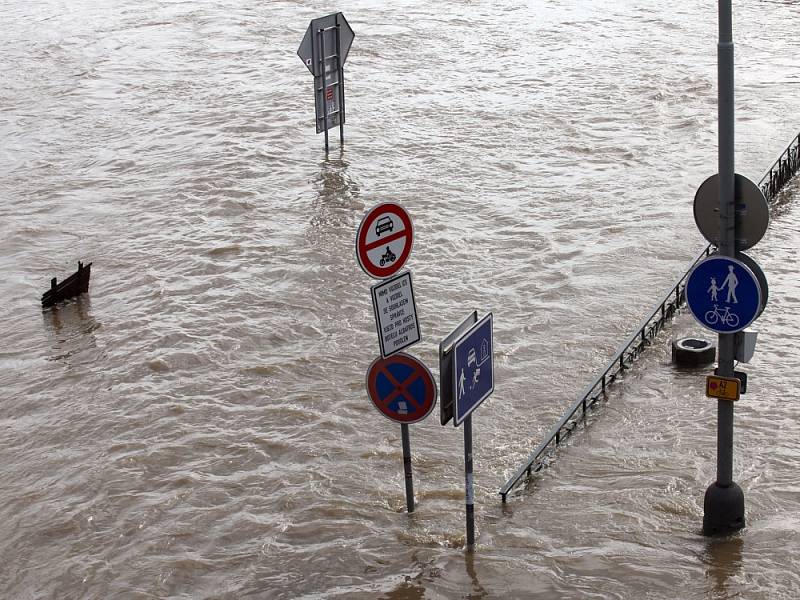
[384, 240]
[384, 224]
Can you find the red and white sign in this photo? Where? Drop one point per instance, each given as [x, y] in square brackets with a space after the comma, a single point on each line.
[384, 240]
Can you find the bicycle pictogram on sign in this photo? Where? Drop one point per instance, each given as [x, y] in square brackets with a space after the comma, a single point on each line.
[723, 294]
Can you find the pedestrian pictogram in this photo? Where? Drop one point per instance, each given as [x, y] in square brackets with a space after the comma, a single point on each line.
[384, 240]
[723, 294]
[401, 388]
[472, 369]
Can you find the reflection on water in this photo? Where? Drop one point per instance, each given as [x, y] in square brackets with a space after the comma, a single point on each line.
[408, 590]
[723, 558]
[478, 592]
[336, 205]
[334, 183]
[70, 328]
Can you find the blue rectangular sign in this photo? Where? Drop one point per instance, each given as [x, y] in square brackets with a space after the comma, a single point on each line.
[473, 373]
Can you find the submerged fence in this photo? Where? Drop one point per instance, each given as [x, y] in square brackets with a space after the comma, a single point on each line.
[778, 175]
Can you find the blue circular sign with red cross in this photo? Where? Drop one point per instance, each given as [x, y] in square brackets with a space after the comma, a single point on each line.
[384, 240]
[401, 388]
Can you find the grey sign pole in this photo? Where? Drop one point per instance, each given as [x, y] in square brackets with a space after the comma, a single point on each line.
[723, 506]
[324, 87]
[468, 481]
[324, 50]
[407, 467]
[340, 74]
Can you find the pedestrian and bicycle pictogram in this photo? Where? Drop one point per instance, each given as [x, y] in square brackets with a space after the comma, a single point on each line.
[723, 294]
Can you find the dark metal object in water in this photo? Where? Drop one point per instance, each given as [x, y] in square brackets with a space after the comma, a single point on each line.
[74, 285]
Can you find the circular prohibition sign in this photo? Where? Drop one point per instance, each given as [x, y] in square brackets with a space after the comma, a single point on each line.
[401, 388]
[384, 240]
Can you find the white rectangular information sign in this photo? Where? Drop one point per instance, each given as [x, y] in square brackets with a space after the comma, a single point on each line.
[395, 314]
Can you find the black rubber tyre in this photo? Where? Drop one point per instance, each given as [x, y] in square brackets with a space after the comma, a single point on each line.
[693, 352]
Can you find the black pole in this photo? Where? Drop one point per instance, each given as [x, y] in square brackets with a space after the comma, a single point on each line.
[723, 505]
[407, 467]
[469, 483]
[341, 80]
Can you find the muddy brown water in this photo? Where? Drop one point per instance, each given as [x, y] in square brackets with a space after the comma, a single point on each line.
[197, 425]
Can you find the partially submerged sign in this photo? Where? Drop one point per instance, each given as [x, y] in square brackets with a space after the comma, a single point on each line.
[324, 50]
[395, 314]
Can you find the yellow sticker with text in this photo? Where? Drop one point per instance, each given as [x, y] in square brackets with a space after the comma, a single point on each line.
[722, 388]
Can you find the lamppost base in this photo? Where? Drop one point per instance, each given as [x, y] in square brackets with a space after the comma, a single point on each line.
[723, 510]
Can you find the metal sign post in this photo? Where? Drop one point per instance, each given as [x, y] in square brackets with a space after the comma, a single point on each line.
[469, 483]
[324, 50]
[409, 477]
[468, 367]
[723, 505]
[404, 391]
[401, 387]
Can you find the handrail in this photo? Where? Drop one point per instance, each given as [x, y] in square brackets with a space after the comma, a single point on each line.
[781, 171]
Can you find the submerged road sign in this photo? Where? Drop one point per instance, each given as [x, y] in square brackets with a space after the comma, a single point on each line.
[384, 240]
[723, 294]
[473, 372]
[324, 51]
[401, 388]
[395, 314]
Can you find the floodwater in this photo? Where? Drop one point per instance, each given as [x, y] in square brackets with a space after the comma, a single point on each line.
[197, 426]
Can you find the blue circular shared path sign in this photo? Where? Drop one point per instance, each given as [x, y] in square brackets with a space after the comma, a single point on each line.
[723, 294]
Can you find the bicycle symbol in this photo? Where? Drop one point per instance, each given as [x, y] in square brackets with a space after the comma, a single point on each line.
[725, 316]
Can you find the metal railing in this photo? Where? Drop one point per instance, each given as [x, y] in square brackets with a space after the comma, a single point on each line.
[781, 171]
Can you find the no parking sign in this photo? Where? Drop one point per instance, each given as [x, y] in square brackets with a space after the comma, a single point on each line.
[401, 388]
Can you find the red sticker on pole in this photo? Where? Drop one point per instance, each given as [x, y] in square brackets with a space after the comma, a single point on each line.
[384, 240]
[401, 388]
